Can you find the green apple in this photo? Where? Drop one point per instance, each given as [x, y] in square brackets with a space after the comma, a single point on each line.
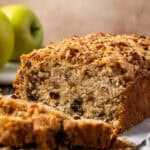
[6, 39]
[27, 28]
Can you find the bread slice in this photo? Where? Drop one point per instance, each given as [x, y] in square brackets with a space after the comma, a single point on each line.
[122, 146]
[118, 145]
[24, 123]
[34, 126]
[99, 76]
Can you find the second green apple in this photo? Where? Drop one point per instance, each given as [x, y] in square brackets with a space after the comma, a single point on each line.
[27, 28]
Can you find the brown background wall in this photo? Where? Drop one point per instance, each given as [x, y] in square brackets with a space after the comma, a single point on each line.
[64, 18]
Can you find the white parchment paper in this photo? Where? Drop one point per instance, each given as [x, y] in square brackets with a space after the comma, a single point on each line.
[140, 134]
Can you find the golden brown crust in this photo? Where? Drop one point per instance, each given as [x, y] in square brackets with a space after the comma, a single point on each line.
[136, 102]
[131, 52]
[23, 123]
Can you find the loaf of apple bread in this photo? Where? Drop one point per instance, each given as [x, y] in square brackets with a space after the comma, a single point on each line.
[99, 76]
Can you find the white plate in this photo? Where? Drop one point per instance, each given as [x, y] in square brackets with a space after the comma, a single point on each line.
[8, 73]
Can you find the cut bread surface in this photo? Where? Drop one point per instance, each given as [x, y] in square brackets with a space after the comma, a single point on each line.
[99, 76]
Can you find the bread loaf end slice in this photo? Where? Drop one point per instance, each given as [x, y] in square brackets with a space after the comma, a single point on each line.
[25, 123]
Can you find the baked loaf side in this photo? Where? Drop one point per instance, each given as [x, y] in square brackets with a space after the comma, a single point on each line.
[99, 76]
[24, 124]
